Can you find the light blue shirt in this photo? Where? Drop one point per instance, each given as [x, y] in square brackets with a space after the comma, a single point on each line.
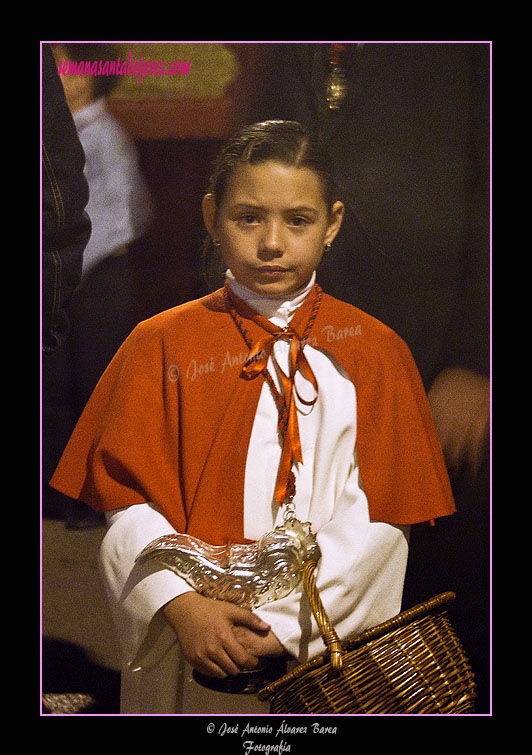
[120, 206]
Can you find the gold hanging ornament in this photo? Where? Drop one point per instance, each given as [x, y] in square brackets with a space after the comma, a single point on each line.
[336, 89]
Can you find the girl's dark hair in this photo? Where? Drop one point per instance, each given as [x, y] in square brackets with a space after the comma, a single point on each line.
[286, 142]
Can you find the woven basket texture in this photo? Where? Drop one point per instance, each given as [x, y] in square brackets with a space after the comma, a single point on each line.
[412, 664]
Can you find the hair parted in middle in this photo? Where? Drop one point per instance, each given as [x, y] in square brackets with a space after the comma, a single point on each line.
[286, 142]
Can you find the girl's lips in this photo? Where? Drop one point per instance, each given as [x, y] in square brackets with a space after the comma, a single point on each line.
[272, 269]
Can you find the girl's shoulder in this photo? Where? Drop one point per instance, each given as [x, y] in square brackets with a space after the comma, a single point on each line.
[364, 345]
[192, 327]
[197, 313]
[341, 315]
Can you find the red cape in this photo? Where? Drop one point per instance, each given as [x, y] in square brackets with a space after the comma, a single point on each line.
[171, 419]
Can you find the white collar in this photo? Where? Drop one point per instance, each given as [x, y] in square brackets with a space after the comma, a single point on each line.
[278, 309]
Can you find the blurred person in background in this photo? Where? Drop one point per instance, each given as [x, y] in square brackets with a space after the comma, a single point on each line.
[104, 307]
[65, 231]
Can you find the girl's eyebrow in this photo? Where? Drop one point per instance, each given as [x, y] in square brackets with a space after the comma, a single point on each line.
[303, 208]
[252, 206]
[247, 206]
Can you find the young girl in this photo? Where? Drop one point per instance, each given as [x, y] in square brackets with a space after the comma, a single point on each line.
[214, 413]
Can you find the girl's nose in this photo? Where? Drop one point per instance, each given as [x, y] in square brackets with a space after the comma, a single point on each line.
[271, 241]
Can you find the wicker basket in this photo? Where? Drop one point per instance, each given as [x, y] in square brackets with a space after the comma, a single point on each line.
[413, 663]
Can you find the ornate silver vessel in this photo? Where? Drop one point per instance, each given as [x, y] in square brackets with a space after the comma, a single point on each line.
[249, 575]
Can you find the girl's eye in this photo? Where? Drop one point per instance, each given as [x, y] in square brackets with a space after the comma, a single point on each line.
[299, 221]
[248, 219]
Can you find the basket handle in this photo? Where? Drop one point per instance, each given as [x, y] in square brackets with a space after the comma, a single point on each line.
[328, 633]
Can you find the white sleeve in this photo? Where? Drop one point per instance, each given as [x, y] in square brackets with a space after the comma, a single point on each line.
[137, 592]
[359, 578]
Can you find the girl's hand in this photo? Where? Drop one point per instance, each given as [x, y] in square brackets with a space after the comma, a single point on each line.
[205, 631]
[258, 643]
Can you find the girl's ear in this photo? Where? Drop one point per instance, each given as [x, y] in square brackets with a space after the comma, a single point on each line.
[335, 221]
[208, 207]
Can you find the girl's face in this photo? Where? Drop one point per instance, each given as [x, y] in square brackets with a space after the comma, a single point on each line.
[272, 226]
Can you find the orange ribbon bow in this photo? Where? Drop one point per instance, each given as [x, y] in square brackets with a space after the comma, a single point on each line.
[255, 364]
